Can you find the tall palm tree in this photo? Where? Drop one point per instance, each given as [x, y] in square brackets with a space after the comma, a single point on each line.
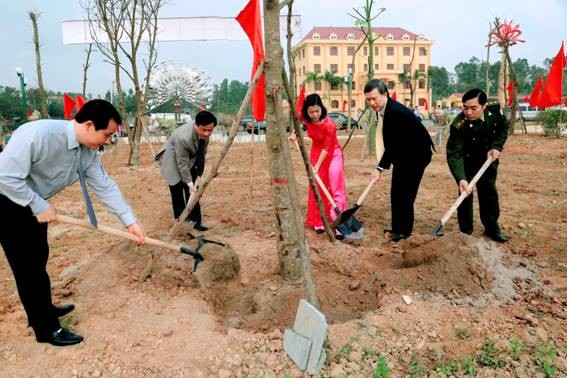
[415, 78]
[314, 77]
[331, 79]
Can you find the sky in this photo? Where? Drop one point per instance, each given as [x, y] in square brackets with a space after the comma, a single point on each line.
[458, 29]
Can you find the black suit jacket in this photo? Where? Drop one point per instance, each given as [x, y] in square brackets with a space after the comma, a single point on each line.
[406, 140]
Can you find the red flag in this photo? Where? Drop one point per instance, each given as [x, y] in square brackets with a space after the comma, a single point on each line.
[251, 22]
[80, 101]
[553, 88]
[511, 93]
[300, 99]
[68, 105]
[344, 105]
[28, 114]
[425, 104]
[394, 96]
[536, 93]
[526, 99]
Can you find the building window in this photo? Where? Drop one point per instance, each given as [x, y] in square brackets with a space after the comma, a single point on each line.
[420, 38]
[422, 51]
[353, 103]
[334, 50]
[316, 36]
[317, 68]
[316, 50]
[376, 50]
[390, 66]
[349, 68]
[376, 66]
[335, 87]
[334, 68]
[405, 37]
[335, 104]
[389, 37]
[365, 51]
[333, 36]
[407, 51]
[407, 84]
[353, 85]
[350, 37]
[365, 67]
[390, 50]
[303, 53]
[407, 68]
[303, 70]
[421, 84]
[317, 85]
[422, 67]
[350, 50]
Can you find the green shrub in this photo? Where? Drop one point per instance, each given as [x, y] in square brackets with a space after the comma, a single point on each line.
[550, 119]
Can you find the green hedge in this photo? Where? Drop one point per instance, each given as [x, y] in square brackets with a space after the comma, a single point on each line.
[550, 119]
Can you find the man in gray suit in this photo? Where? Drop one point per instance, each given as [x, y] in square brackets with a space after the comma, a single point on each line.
[182, 160]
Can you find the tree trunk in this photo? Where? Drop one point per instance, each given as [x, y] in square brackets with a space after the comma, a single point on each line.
[85, 69]
[290, 234]
[33, 17]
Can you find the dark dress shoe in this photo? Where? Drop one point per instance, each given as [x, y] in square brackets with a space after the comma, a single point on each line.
[61, 337]
[63, 310]
[397, 237]
[200, 227]
[497, 236]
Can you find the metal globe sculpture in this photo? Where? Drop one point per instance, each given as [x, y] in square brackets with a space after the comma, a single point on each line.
[173, 82]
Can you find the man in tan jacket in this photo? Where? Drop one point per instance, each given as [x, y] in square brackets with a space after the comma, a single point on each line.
[182, 160]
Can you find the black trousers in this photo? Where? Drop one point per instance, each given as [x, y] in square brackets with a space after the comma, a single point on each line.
[406, 178]
[487, 200]
[24, 241]
[179, 198]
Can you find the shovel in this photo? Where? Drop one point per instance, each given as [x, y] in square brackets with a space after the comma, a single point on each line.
[461, 198]
[351, 228]
[346, 215]
[126, 235]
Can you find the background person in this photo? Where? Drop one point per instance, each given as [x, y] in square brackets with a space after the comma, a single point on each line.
[407, 147]
[477, 133]
[182, 160]
[41, 159]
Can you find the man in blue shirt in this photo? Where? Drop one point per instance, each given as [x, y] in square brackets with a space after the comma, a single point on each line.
[42, 158]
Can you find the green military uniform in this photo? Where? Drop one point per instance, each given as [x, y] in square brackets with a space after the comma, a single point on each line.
[467, 150]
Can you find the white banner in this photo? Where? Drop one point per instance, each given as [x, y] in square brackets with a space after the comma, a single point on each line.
[176, 29]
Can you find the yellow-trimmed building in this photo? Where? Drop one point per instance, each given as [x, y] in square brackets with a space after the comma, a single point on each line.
[333, 48]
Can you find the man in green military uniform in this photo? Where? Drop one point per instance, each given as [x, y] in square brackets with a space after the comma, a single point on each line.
[477, 133]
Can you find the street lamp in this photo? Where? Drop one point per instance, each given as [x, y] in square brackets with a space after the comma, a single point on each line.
[23, 91]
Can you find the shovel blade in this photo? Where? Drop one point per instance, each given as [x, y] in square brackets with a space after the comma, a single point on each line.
[346, 216]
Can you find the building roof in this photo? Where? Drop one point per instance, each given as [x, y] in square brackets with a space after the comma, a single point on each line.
[342, 32]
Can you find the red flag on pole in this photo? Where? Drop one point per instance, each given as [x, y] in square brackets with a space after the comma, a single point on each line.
[511, 93]
[425, 104]
[80, 101]
[344, 105]
[394, 96]
[526, 99]
[536, 93]
[251, 22]
[553, 88]
[28, 114]
[68, 105]
[300, 99]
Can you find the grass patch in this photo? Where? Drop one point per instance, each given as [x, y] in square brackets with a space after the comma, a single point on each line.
[546, 355]
[489, 356]
[343, 352]
[468, 366]
[382, 370]
[463, 333]
[444, 370]
[516, 348]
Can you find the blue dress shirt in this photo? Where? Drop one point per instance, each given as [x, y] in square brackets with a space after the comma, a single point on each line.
[41, 160]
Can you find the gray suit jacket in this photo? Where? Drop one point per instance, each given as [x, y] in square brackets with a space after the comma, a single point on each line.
[178, 155]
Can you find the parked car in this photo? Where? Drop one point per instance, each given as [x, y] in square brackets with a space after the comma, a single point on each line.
[245, 120]
[341, 120]
[528, 112]
[258, 127]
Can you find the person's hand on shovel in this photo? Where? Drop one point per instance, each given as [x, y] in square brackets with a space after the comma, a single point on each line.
[464, 187]
[493, 154]
[47, 216]
[376, 176]
[135, 229]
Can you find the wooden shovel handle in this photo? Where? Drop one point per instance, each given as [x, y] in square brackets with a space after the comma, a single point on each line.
[365, 193]
[115, 232]
[469, 191]
[324, 190]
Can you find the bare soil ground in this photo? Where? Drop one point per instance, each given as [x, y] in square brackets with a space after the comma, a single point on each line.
[477, 306]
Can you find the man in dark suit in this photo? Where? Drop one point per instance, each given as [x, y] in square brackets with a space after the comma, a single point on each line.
[477, 133]
[404, 143]
[182, 160]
